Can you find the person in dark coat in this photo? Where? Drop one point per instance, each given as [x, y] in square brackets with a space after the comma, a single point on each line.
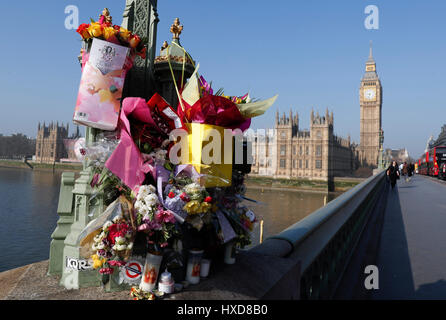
[393, 173]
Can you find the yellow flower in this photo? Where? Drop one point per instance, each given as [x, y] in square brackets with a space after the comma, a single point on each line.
[205, 207]
[109, 32]
[95, 29]
[124, 33]
[192, 207]
[97, 261]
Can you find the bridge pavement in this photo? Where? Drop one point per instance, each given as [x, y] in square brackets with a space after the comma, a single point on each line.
[412, 249]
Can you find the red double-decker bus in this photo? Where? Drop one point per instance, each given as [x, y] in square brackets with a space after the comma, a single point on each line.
[433, 163]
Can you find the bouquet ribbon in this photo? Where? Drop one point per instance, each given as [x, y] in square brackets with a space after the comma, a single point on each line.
[126, 162]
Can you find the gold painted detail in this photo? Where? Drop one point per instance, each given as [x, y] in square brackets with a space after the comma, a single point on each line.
[173, 58]
[176, 28]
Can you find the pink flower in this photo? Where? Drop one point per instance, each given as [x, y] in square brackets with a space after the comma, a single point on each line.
[95, 180]
[106, 270]
[165, 216]
[117, 263]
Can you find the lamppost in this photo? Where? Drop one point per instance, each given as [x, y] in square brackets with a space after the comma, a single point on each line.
[381, 164]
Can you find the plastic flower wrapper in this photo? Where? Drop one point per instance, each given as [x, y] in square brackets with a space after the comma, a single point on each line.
[122, 209]
[127, 161]
[97, 153]
[242, 221]
[198, 103]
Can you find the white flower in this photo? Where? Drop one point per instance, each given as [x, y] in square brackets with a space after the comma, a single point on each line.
[100, 246]
[160, 154]
[152, 199]
[119, 247]
[116, 219]
[193, 188]
[119, 240]
[151, 188]
[130, 246]
[106, 225]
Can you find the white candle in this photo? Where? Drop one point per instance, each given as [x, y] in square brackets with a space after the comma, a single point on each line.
[230, 253]
[205, 265]
[151, 268]
[193, 266]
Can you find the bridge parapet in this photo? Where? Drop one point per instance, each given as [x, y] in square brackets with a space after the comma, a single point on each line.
[323, 242]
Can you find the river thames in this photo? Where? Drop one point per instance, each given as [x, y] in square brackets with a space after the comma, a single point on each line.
[28, 211]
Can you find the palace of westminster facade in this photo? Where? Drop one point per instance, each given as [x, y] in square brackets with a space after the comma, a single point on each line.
[317, 153]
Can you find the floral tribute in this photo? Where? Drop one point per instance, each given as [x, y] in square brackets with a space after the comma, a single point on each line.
[104, 29]
[157, 207]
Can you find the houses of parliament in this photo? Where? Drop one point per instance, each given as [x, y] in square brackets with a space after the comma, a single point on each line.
[287, 151]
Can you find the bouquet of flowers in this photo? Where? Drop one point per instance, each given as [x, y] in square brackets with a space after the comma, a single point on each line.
[164, 199]
[154, 220]
[109, 55]
[104, 29]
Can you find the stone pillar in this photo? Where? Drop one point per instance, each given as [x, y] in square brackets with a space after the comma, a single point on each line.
[84, 205]
[63, 224]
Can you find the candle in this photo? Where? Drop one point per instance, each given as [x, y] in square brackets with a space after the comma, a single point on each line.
[193, 266]
[204, 270]
[166, 283]
[151, 269]
[230, 253]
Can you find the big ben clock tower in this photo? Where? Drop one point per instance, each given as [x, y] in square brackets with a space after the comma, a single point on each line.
[370, 99]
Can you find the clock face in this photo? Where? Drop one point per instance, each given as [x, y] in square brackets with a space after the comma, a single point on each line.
[370, 94]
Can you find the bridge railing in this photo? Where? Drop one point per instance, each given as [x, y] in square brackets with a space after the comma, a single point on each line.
[323, 242]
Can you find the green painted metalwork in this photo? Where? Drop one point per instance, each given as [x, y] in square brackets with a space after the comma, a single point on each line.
[66, 218]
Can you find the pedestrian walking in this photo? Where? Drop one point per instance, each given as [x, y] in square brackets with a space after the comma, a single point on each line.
[405, 171]
[410, 169]
[393, 173]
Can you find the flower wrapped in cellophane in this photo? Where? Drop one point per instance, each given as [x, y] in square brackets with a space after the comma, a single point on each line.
[108, 55]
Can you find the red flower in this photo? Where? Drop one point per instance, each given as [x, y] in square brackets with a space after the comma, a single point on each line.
[184, 197]
[134, 41]
[117, 230]
[171, 194]
[82, 30]
[208, 199]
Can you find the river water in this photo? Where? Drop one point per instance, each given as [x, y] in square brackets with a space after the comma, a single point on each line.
[28, 213]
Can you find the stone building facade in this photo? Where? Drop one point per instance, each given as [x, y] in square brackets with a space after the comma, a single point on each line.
[50, 146]
[317, 153]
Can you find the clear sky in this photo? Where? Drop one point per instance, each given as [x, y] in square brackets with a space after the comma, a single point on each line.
[312, 53]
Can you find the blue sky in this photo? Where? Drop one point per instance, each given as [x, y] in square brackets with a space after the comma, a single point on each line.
[311, 53]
